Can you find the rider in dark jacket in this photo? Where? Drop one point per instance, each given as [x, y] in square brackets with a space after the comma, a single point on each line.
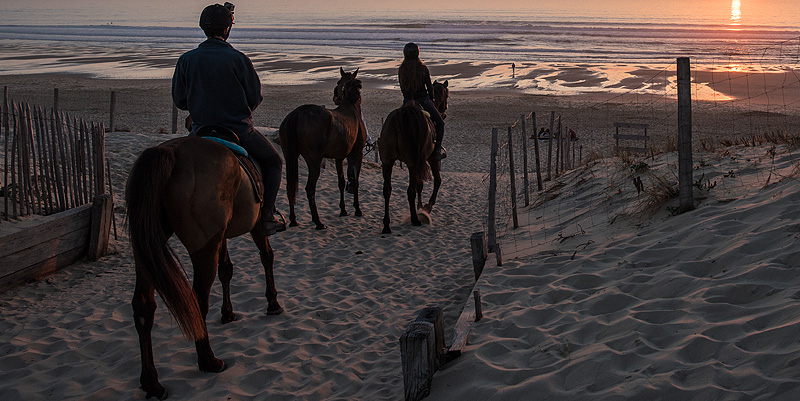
[415, 83]
[219, 86]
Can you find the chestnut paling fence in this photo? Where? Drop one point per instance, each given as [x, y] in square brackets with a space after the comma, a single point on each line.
[51, 162]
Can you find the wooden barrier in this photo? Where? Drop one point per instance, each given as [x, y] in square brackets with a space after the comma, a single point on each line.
[480, 252]
[643, 137]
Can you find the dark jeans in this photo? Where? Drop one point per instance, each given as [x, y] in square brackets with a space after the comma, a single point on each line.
[271, 164]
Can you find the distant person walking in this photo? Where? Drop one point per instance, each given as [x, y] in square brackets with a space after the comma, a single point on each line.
[513, 70]
[415, 83]
[219, 86]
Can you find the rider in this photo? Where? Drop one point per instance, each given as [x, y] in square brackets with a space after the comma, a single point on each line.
[415, 83]
[219, 86]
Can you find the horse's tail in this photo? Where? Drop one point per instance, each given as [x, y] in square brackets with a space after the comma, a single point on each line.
[291, 152]
[414, 130]
[155, 260]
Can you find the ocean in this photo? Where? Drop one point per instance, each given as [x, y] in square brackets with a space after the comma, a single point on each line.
[142, 39]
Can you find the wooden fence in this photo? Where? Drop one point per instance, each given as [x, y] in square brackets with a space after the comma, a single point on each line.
[53, 165]
[51, 162]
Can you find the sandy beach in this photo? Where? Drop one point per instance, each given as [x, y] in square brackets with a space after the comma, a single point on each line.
[603, 293]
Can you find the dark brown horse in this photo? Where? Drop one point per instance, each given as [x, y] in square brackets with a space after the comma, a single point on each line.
[407, 135]
[193, 188]
[315, 133]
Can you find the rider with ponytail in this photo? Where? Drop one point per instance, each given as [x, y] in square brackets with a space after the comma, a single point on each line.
[415, 83]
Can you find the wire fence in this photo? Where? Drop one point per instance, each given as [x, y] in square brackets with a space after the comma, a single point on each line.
[748, 99]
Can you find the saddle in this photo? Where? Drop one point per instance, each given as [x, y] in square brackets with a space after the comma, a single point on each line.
[230, 140]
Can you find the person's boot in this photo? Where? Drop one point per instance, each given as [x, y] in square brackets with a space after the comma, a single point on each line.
[439, 152]
[270, 225]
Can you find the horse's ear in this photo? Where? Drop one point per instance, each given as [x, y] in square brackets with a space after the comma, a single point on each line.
[356, 73]
[341, 71]
[446, 82]
[435, 81]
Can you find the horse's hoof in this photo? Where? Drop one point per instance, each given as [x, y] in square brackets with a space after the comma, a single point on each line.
[416, 223]
[228, 318]
[343, 213]
[386, 230]
[272, 312]
[293, 224]
[216, 366]
[164, 394]
[359, 213]
[321, 226]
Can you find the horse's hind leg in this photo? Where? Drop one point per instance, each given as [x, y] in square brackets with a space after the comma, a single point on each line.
[311, 192]
[436, 171]
[144, 309]
[412, 195]
[204, 262]
[387, 193]
[267, 260]
[342, 184]
[225, 275]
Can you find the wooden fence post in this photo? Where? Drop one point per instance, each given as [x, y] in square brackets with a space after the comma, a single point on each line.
[417, 348]
[536, 149]
[6, 126]
[550, 145]
[55, 99]
[112, 111]
[685, 135]
[492, 192]
[102, 212]
[174, 119]
[513, 173]
[477, 243]
[525, 161]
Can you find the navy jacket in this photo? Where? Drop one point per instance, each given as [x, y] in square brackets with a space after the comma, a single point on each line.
[218, 85]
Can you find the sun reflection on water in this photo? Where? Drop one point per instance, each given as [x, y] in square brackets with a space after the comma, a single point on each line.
[736, 12]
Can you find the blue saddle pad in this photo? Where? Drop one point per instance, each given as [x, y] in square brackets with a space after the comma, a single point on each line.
[230, 145]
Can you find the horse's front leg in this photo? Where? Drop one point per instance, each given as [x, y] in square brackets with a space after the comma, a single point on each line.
[387, 193]
[342, 184]
[354, 171]
[436, 171]
[311, 192]
[144, 309]
[225, 275]
[267, 260]
[412, 194]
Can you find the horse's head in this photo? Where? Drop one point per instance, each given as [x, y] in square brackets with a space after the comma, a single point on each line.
[345, 76]
[441, 93]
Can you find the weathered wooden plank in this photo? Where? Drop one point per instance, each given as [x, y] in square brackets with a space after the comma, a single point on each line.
[51, 227]
[632, 137]
[41, 270]
[46, 253]
[461, 330]
[631, 125]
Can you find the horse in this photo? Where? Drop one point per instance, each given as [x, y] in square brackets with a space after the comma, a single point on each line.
[315, 133]
[194, 188]
[407, 135]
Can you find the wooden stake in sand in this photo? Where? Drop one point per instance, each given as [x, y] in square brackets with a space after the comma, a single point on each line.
[685, 135]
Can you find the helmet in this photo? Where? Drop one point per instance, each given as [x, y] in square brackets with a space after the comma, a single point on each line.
[411, 50]
[216, 17]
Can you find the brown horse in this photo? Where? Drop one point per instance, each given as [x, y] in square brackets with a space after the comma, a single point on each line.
[193, 188]
[316, 132]
[407, 135]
